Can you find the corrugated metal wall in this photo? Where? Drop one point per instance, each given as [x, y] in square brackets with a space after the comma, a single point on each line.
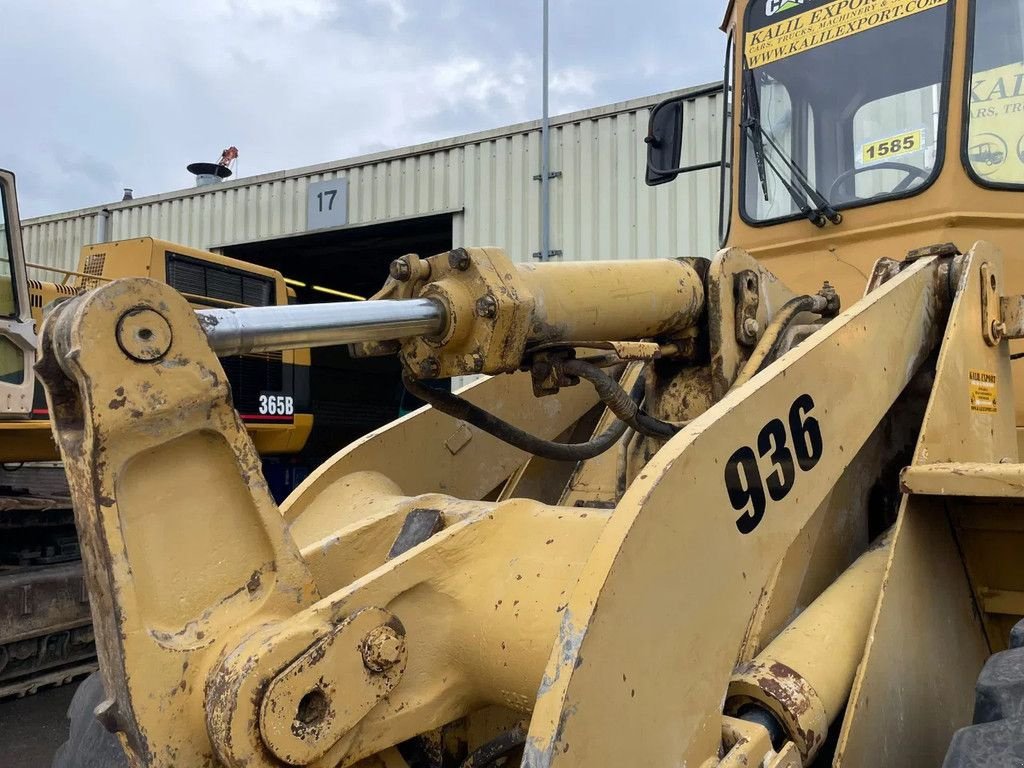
[57, 240]
[601, 208]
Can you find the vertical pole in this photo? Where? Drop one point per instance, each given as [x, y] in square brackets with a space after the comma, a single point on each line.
[102, 231]
[545, 160]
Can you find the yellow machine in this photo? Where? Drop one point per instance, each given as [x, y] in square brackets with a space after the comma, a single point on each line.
[206, 280]
[758, 510]
[45, 631]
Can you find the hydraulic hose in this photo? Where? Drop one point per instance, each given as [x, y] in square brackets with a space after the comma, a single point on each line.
[619, 401]
[768, 345]
[496, 748]
[461, 409]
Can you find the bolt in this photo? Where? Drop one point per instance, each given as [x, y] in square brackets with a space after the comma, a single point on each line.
[430, 368]
[751, 327]
[382, 648]
[458, 258]
[400, 269]
[828, 292]
[487, 306]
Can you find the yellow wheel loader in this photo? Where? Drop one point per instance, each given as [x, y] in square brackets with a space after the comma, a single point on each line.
[45, 631]
[763, 509]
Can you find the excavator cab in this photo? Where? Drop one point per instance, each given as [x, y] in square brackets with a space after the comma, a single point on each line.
[17, 335]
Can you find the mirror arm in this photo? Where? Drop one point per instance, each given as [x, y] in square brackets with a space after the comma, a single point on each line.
[685, 168]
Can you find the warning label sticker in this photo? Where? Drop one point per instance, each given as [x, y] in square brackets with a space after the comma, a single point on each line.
[982, 385]
[826, 24]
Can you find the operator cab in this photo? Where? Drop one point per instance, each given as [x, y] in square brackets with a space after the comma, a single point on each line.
[836, 111]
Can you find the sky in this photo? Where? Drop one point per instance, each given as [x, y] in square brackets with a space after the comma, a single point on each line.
[107, 94]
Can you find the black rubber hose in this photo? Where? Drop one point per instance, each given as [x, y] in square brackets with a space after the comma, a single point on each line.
[461, 409]
[768, 346]
[497, 748]
[619, 401]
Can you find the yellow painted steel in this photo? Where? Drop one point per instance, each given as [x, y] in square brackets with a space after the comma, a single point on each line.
[481, 604]
[805, 674]
[610, 613]
[31, 440]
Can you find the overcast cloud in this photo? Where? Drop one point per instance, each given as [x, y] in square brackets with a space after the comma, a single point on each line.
[107, 94]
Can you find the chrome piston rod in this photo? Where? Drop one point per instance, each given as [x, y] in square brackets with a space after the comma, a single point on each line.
[266, 329]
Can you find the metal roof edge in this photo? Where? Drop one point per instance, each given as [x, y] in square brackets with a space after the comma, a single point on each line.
[593, 113]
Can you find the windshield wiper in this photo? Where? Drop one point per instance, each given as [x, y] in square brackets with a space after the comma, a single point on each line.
[755, 130]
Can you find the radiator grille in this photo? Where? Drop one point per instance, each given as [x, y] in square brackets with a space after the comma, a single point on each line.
[94, 264]
[248, 375]
[251, 374]
[216, 281]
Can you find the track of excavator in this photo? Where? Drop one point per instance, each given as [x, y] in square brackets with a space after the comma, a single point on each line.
[46, 635]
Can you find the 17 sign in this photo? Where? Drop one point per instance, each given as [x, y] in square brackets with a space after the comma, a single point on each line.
[327, 204]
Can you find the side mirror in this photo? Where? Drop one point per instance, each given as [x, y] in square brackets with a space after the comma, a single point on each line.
[664, 141]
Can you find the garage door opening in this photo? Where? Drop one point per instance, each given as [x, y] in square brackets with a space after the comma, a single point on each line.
[348, 397]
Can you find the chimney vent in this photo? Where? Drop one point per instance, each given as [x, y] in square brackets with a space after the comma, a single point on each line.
[214, 173]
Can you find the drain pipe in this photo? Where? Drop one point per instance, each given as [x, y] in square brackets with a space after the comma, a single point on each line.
[102, 231]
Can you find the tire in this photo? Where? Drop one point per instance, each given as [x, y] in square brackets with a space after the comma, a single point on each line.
[996, 740]
[89, 744]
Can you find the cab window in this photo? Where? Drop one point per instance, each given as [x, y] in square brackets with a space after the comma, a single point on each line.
[816, 138]
[8, 304]
[994, 140]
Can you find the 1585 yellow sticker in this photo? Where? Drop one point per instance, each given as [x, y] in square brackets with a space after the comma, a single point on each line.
[903, 144]
[982, 385]
[832, 21]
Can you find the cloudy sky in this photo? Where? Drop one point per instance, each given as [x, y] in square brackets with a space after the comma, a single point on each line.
[108, 94]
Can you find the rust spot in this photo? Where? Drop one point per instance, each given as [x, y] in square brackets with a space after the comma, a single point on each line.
[781, 670]
[253, 585]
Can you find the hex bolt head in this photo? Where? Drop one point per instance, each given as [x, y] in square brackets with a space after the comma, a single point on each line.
[400, 269]
[486, 306]
[751, 327]
[382, 648]
[144, 334]
[430, 368]
[458, 258]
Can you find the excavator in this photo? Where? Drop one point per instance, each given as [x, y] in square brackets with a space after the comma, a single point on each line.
[45, 631]
[759, 509]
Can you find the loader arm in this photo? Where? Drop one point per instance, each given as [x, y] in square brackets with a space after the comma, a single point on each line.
[327, 637]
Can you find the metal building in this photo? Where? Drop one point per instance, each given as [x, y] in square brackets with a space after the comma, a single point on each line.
[338, 224]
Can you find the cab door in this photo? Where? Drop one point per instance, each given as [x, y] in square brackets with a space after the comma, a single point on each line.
[17, 333]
